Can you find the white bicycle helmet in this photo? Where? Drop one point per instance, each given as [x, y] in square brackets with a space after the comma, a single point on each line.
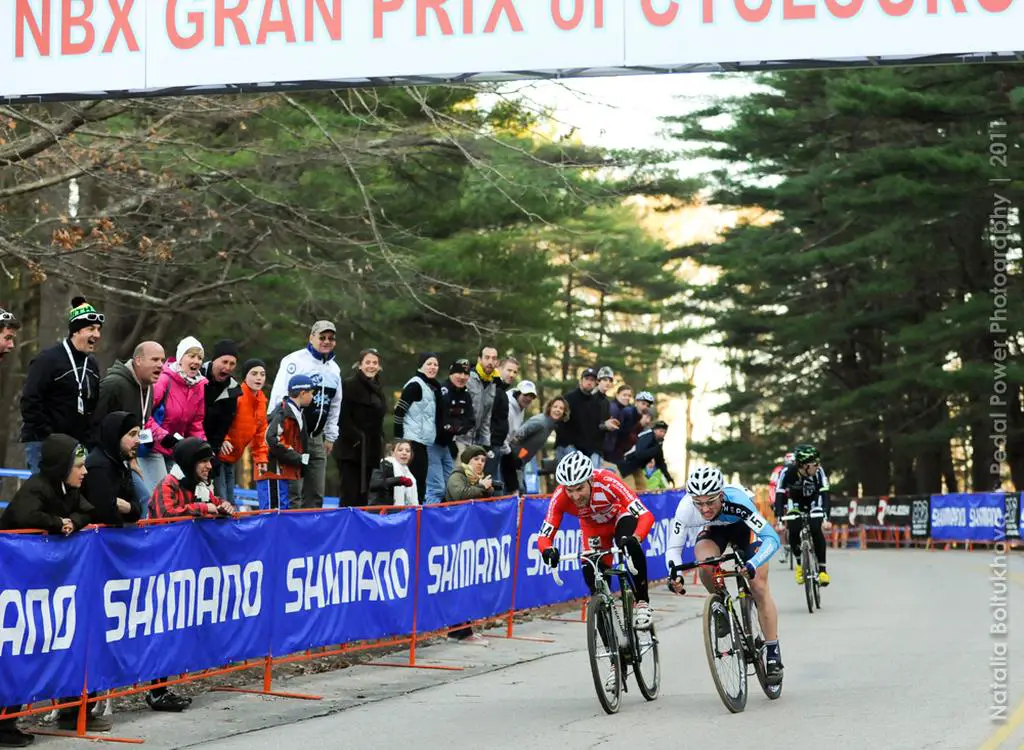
[574, 468]
[705, 480]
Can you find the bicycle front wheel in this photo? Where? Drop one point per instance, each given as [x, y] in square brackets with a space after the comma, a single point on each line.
[809, 577]
[603, 646]
[725, 656]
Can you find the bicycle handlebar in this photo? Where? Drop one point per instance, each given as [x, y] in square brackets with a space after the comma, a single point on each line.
[801, 514]
[590, 558]
[711, 561]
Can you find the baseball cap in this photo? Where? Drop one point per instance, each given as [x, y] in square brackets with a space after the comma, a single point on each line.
[322, 326]
[461, 365]
[590, 372]
[527, 388]
[300, 382]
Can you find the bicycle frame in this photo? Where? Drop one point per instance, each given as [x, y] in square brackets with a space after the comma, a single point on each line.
[601, 585]
[743, 589]
[625, 641]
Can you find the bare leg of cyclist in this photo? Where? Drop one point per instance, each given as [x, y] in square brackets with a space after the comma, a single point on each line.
[702, 551]
[768, 617]
[767, 614]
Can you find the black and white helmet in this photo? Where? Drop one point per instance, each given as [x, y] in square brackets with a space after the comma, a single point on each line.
[705, 480]
[574, 468]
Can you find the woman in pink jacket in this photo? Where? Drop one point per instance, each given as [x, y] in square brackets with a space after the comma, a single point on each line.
[179, 399]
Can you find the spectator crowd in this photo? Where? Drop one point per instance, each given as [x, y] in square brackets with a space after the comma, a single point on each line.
[164, 436]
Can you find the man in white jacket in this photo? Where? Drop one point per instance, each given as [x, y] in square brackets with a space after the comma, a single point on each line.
[322, 416]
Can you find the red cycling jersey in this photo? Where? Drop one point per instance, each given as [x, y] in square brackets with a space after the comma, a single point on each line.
[610, 500]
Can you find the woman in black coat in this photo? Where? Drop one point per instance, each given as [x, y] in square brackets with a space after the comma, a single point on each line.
[360, 445]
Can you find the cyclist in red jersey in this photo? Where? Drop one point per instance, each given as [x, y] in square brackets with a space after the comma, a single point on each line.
[608, 510]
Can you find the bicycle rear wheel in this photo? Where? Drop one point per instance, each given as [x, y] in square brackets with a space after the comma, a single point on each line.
[817, 585]
[759, 653]
[603, 647]
[725, 657]
[809, 577]
[647, 666]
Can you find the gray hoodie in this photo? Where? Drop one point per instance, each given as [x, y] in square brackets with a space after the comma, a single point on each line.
[482, 395]
[532, 435]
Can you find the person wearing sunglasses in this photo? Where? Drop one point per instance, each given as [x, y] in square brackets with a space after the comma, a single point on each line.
[726, 516]
[62, 386]
[804, 485]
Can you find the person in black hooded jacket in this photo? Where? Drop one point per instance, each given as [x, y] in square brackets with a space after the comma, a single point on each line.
[109, 487]
[52, 500]
[360, 445]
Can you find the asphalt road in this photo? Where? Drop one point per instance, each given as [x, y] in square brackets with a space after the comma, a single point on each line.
[898, 657]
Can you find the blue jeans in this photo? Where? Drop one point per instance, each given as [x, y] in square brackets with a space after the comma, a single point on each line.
[439, 467]
[33, 455]
[224, 483]
[143, 492]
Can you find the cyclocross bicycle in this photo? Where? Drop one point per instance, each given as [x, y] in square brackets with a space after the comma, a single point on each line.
[808, 558]
[743, 646]
[613, 643]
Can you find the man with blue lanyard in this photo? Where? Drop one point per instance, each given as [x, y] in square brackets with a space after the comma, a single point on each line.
[63, 385]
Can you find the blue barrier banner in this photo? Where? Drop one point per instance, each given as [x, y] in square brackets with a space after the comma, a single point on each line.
[180, 598]
[962, 517]
[535, 586]
[663, 505]
[47, 594]
[342, 576]
[466, 558]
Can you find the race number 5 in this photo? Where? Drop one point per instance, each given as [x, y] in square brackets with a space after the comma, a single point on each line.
[757, 522]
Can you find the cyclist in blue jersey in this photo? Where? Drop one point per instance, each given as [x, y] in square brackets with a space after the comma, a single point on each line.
[729, 518]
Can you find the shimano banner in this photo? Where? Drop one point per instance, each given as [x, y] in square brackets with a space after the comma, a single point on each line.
[125, 606]
[467, 553]
[343, 575]
[963, 518]
[179, 598]
[663, 506]
[47, 587]
[535, 586]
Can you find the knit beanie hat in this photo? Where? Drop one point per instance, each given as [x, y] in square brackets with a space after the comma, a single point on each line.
[424, 356]
[82, 315]
[225, 348]
[189, 342]
[251, 364]
[471, 452]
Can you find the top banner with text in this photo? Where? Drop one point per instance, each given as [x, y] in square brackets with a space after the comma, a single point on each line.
[87, 47]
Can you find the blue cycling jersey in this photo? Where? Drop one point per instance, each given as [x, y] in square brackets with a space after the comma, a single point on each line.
[737, 507]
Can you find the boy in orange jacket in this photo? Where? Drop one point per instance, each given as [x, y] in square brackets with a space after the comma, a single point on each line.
[286, 445]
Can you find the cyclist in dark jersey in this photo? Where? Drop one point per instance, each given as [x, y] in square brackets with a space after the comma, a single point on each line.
[805, 485]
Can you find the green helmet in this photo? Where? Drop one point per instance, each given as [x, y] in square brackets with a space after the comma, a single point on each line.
[805, 454]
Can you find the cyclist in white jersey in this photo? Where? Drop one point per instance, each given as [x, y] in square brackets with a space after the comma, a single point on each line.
[715, 516]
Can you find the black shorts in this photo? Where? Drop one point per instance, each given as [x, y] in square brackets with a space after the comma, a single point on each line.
[736, 535]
